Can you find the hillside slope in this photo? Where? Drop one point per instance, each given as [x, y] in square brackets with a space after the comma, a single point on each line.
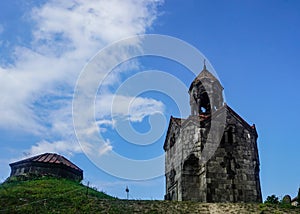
[50, 195]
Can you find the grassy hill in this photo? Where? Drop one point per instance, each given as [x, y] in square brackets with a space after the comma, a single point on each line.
[50, 195]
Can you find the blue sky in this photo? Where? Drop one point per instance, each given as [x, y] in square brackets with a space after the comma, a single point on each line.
[252, 45]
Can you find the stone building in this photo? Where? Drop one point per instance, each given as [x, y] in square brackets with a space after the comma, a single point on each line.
[212, 155]
[47, 164]
[294, 201]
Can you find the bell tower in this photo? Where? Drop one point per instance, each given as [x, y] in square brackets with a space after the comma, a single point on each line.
[205, 93]
[230, 173]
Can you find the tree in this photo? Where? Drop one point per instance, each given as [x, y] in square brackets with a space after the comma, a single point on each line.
[273, 199]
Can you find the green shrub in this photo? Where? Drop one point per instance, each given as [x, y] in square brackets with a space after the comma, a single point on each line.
[273, 199]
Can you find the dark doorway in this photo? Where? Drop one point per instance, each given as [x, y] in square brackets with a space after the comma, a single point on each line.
[190, 179]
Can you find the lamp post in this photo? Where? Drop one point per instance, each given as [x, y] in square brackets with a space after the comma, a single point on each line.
[127, 192]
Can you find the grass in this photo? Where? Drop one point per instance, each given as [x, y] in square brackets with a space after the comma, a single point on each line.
[48, 195]
[52, 195]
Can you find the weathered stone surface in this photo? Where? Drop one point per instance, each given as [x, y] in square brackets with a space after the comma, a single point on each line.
[231, 174]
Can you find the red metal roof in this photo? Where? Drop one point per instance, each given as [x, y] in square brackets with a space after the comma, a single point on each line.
[49, 158]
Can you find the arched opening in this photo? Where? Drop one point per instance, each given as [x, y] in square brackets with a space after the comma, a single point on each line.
[190, 179]
[199, 100]
[204, 103]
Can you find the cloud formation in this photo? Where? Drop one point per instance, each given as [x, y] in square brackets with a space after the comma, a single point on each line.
[134, 109]
[36, 89]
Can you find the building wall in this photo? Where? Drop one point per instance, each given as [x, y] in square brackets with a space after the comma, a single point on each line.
[46, 169]
[189, 182]
[233, 171]
[230, 175]
[173, 165]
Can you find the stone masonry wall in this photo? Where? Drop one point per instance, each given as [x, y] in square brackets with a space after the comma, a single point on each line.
[230, 175]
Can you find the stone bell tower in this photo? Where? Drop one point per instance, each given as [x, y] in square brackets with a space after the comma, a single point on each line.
[205, 93]
[231, 172]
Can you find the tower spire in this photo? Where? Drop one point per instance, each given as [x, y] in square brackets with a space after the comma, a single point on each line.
[204, 64]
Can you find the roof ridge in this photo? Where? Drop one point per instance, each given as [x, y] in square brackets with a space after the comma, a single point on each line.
[52, 158]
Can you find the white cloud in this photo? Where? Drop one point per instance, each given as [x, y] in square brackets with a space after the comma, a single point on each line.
[106, 147]
[142, 107]
[35, 90]
[106, 122]
[86, 22]
[64, 147]
[68, 148]
[135, 109]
